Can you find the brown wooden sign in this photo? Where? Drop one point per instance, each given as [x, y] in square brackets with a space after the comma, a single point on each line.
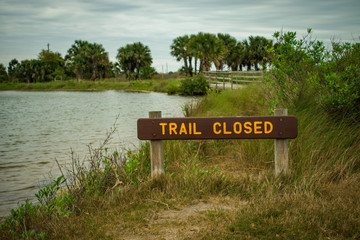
[261, 127]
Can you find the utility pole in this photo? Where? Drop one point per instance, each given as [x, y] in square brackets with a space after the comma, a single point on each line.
[48, 45]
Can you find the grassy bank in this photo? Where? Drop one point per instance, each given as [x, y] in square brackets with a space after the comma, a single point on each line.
[158, 85]
[214, 189]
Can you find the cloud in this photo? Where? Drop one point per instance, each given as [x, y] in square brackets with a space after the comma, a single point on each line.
[28, 25]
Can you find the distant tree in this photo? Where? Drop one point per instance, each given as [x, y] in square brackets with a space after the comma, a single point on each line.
[53, 65]
[98, 58]
[257, 50]
[236, 58]
[195, 51]
[87, 60]
[3, 73]
[76, 58]
[181, 50]
[132, 58]
[13, 68]
[30, 71]
[207, 47]
[226, 45]
[246, 55]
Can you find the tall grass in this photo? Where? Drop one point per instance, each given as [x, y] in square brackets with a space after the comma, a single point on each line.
[318, 198]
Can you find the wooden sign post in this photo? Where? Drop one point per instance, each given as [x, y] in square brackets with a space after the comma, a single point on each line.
[281, 151]
[156, 152]
[279, 127]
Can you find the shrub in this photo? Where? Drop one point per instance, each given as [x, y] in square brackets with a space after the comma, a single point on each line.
[194, 86]
[339, 83]
[147, 72]
[292, 61]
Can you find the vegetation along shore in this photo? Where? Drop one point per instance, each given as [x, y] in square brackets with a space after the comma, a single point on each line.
[226, 189]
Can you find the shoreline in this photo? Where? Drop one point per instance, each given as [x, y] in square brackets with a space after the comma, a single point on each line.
[169, 86]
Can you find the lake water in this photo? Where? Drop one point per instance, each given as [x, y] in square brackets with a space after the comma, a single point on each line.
[37, 127]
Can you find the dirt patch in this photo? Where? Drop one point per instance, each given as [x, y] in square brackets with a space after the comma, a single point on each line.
[186, 212]
[184, 222]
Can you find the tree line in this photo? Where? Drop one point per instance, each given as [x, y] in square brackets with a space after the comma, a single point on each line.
[200, 51]
[90, 61]
[84, 60]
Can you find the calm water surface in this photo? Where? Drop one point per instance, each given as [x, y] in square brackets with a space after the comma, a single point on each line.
[37, 127]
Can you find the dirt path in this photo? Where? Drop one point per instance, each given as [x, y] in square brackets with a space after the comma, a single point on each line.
[184, 222]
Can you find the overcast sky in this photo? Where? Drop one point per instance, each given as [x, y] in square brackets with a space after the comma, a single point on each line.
[27, 26]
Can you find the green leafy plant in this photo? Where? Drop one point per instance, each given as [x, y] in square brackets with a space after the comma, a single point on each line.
[19, 223]
[194, 86]
[291, 62]
[136, 166]
[339, 83]
[53, 199]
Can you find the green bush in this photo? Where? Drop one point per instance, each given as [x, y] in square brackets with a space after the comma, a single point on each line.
[292, 61]
[147, 72]
[339, 82]
[194, 86]
[300, 68]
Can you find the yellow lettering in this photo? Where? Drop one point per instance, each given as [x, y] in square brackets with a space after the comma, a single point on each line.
[215, 130]
[237, 128]
[190, 129]
[268, 127]
[247, 126]
[257, 128]
[163, 127]
[225, 131]
[195, 132]
[172, 128]
[183, 129]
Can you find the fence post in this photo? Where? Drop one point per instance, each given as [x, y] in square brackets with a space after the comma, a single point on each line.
[156, 152]
[281, 150]
[223, 79]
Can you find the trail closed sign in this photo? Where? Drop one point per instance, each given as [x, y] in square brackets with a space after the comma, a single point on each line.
[260, 127]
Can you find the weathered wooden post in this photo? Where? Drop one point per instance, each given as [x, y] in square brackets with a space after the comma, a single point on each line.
[223, 79]
[156, 152]
[281, 149]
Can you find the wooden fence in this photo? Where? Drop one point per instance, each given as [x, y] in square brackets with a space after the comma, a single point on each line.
[234, 79]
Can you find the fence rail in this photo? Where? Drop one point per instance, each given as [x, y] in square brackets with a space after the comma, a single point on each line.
[233, 79]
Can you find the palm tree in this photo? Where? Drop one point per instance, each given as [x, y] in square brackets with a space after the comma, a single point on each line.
[236, 57]
[142, 57]
[133, 57]
[13, 69]
[98, 57]
[181, 50]
[257, 50]
[124, 57]
[226, 45]
[207, 48]
[194, 51]
[76, 58]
